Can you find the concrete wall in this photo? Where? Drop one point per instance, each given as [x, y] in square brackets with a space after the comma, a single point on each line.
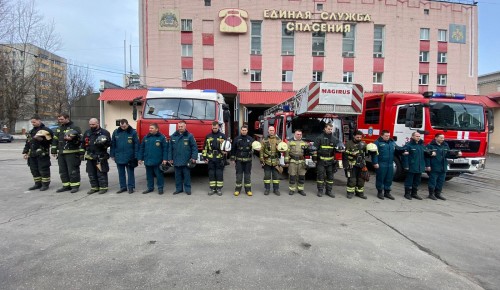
[115, 110]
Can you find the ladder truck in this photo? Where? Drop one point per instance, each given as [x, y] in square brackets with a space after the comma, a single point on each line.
[311, 108]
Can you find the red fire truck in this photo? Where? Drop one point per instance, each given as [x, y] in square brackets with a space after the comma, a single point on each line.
[166, 107]
[311, 108]
[465, 125]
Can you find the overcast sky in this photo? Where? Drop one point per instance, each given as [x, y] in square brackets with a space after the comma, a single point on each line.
[93, 33]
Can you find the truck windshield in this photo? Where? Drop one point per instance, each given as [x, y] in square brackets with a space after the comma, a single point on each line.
[177, 108]
[311, 127]
[457, 116]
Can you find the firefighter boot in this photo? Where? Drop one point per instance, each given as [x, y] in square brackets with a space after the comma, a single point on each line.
[361, 195]
[219, 191]
[37, 185]
[45, 186]
[387, 193]
[330, 194]
[431, 194]
[291, 192]
[75, 189]
[408, 193]
[350, 195]
[211, 190]
[63, 189]
[301, 192]
[380, 194]
[414, 194]
[277, 192]
[320, 192]
[439, 195]
[236, 193]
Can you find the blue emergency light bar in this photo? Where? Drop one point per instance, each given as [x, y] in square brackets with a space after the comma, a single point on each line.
[210, 91]
[436, 95]
[156, 89]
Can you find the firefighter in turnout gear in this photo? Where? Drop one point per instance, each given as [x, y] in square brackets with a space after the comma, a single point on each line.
[214, 155]
[241, 154]
[355, 166]
[66, 145]
[297, 165]
[325, 160]
[270, 160]
[37, 152]
[96, 141]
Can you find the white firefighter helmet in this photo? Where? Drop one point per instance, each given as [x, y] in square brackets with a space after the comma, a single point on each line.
[225, 146]
[371, 147]
[256, 145]
[43, 133]
[282, 146]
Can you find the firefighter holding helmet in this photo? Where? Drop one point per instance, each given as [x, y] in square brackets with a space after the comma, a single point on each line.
[270, 154]
[37, 152]
[241, 154]
[215, 149]
[66, 145]
[325, 160]
[355, 166]
[297, 168]
[96, 142]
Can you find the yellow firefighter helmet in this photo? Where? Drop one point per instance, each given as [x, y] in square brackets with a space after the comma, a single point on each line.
[282, 146]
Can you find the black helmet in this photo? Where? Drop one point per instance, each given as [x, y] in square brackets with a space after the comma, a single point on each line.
[102, 141]
[191, 164]
[164, 167]
[340, 146]
[71, 135]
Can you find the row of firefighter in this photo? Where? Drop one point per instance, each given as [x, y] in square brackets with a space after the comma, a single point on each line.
[70, 147]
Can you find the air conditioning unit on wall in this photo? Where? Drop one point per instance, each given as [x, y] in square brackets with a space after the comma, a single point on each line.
[246, 71]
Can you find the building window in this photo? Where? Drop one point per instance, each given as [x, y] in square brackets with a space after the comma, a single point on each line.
[347, 76]
[187, 50]
[255, 76]
[423, 79]
[256, 42]
[317, 76]
[377, 77]
[442, 35]
[287, 76]
[318, 43]
[208, 2]
[287, 40]
[424, 34]
[348, 42]
[441, 81]
[378, 41]
[319, 6]
[186, 25]
[426, 11]
[424, 56]
[187, 74]
[442, 57]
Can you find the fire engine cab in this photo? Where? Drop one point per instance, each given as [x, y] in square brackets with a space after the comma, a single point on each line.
[166, 107]
[311, 108]
[465, 125]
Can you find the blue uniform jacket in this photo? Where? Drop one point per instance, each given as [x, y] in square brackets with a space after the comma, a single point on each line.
[415, 160]
[439, 163]
[153, 149]
[182, 148]
[386, 149]
[124, 145]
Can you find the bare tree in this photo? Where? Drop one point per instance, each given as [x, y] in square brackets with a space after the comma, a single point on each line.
[22, 86]
[79, 83]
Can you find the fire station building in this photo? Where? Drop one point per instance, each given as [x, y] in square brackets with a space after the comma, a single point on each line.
[258, 52]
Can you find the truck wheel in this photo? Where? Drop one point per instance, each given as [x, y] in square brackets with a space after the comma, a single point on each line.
[399, 174]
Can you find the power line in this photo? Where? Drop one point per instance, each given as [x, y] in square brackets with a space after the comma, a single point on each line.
[90, 68]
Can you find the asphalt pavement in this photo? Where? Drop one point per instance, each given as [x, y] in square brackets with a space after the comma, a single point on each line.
[52, 240]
